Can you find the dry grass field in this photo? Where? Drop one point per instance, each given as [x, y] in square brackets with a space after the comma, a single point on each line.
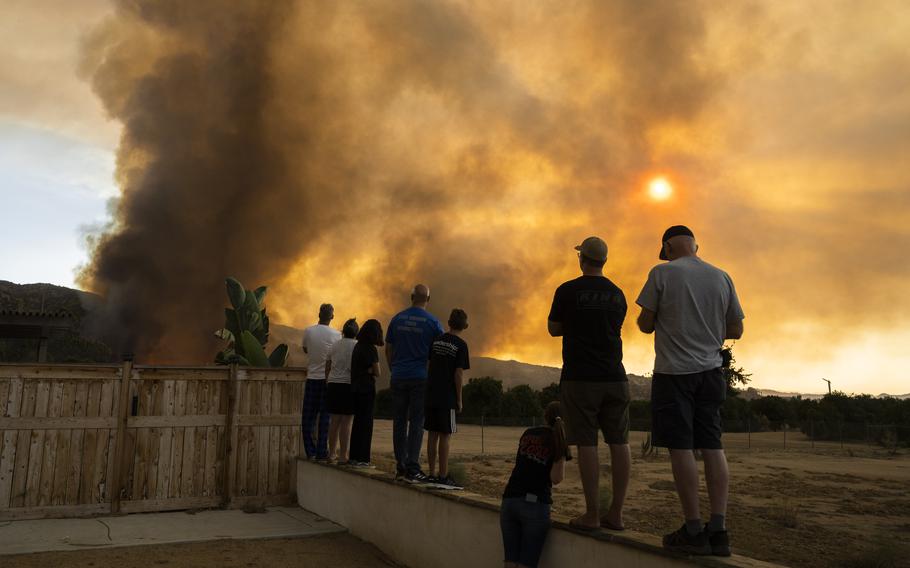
[803, 506]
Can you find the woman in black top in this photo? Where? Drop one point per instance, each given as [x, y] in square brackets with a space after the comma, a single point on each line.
[364, 370]
[525, 512]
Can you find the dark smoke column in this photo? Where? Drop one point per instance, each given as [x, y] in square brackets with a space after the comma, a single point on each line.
[201, 183]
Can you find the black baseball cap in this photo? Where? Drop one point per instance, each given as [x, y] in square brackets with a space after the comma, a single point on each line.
[674, 231]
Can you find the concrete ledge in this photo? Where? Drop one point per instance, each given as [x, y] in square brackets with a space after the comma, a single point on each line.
[426, 528]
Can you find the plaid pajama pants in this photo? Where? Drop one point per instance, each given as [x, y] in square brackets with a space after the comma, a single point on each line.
[314, 409]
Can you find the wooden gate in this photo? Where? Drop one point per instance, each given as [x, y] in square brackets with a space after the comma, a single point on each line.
[83, 440]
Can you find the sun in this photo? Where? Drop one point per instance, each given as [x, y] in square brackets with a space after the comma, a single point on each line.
[660, 189]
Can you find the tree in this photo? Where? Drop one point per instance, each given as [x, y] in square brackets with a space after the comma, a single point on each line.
[482, 397]
[733, 374]
[549, 394]
[521, 401]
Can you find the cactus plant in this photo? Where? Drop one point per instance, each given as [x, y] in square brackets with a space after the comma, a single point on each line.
[246, 329]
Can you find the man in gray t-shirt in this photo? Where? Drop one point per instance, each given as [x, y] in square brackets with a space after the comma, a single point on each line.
[691, 307]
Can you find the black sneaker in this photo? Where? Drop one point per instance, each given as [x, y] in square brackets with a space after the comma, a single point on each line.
[681, 541]
[416, 477]
[719, 541]
[450, 483]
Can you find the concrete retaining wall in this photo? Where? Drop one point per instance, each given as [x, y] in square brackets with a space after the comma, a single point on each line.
[425, 528]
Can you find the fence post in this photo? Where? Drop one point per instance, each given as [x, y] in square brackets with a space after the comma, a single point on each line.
[841, 427]
[812, 432]
[122, 413]
[230, 429]
[481, 434]
[785, 436]
[749, 431]
[868, 442]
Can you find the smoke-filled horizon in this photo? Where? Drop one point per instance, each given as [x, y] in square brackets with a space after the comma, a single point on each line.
[344, 152]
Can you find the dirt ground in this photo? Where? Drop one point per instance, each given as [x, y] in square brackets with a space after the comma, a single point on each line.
[336, 550]
[804, 506]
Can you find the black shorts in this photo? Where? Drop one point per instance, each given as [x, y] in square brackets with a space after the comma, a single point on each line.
[339, 399]
[685, 410]
[440, 420]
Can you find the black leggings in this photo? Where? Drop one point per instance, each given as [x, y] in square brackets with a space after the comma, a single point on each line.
[362, 427]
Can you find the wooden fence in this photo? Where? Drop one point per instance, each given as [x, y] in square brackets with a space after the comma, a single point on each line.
[80, 440]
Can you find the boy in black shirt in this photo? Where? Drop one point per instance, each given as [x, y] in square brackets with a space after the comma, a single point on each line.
[448, 361]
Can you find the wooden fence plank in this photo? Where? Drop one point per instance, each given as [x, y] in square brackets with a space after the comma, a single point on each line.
[139, 484]
[189, 443]
[122, 411]
[183, 373]
[66, 372]
[54, 409]
[165, 444]
[154, 442]
[89, 444]
[77, 451]
[229, 463]
[36, 449]
[11, 400]
[103, 486]
[24, 514]
[149, 505]
[62, 467]
[177, 443]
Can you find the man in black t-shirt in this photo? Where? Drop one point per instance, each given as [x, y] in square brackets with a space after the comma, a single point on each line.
[448, 361]
[588, 313]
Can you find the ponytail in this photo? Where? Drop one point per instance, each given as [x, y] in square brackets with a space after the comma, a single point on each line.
[552, 414]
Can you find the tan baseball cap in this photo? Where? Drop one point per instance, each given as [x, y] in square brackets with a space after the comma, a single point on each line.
[594, 248]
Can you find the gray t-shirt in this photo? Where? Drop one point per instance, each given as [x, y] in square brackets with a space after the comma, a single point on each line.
[693, 301]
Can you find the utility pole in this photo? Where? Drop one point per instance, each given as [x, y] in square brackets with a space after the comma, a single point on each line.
[829, 385]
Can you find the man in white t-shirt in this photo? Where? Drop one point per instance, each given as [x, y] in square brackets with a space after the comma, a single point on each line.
[317, 339]
[691, 307]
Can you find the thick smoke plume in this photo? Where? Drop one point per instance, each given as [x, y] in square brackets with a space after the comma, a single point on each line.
[344, 151]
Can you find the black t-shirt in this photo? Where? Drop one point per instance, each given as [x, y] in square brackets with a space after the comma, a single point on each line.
[531, 473]
[448, 352]
[591, 310]
[362, 359]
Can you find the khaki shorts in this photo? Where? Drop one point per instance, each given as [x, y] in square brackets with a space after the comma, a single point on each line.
[588, 406]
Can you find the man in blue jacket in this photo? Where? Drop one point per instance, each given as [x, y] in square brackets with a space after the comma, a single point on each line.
[407, 345]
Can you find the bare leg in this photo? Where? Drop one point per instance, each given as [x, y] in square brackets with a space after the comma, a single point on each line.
[717, 477]
[333, 435]
[589, 470]
[621, 462]
[444, 454]
[432, 441]
[344, 433]
[685, 475]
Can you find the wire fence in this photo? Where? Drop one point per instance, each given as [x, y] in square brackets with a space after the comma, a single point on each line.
[480, 435]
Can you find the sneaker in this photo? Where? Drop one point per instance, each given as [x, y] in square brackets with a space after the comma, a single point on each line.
[416, 477]
[449, 482]
[719, 541]
[681, 541]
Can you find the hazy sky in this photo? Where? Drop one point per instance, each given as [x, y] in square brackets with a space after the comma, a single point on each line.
[785, 134]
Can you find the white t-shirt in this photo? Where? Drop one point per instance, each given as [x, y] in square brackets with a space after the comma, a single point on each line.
[340, 355]
[693, 301]
[316, 340]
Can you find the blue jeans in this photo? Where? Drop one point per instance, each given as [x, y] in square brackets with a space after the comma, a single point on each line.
[315, 420]
[407, 424]
[524, 530]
